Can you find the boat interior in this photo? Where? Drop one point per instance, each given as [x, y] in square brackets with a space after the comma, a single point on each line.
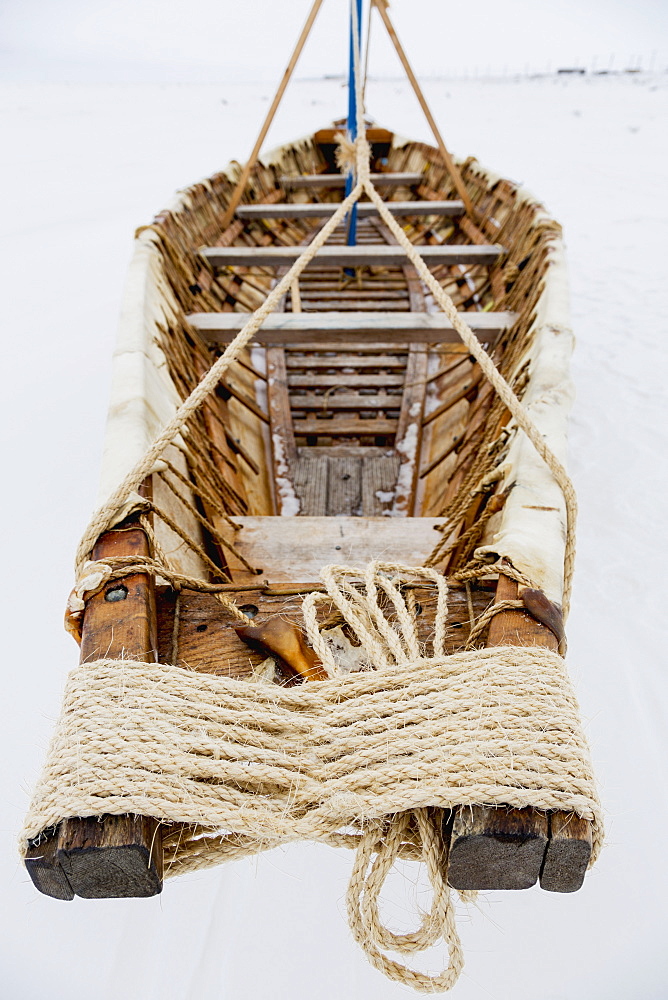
[356, 404]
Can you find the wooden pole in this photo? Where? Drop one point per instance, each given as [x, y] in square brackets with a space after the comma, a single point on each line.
[245, 173]
[355, 42]
[381, 7]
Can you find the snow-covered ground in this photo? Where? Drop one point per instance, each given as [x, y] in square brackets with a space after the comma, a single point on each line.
[82, 167]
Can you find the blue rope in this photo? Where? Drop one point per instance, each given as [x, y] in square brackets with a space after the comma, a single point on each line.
[352, 115]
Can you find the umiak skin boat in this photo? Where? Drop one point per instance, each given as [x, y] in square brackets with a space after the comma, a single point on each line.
[356, 425]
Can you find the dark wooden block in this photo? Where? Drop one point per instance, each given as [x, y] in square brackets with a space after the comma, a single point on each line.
[46, 871]
[496, 848]
[568, 853]
[111, 857]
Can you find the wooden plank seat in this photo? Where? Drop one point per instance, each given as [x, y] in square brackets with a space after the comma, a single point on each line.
[351, 256]
[321, 210]
[346, 400]
[335, 327]
[353, 426]
[339, 180]
[295, 548]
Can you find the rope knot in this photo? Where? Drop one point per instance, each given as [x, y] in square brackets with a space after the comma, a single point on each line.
[352, 155]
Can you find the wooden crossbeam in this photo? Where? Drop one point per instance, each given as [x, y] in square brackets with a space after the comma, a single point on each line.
[345, 401]
[295, 548]
[347, 381]
[339, 180]
[322, 210]
[344, 426]
[347, 359]
[350, 256]
[336, 327]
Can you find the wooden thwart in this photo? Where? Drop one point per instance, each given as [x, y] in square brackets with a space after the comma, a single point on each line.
[339, 180]
[350, 256]
[337, 327]
[322, 210]
[296, 548]
[345, 401]
[345, 426]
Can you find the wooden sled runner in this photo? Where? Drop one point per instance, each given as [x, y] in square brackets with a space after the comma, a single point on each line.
[354, 426]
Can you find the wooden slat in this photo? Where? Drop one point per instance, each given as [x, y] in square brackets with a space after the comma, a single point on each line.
[44, 868]
[344, 495]
[339, 180]
[215, 414]
[373, 134]
[370, 283]
[345, 426]
[347, 381]
[310, 481]
[296, 548]
[350, 256]
[495, 848]
[379, 478]
[345, 401]
[336, 327]
[353, 292]
[229, 387]
[357, 304]
[568, 853]
[323, 210]
[469, 381]
[346, 360]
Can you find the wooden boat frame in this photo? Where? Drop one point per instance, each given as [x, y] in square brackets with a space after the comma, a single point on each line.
[416, 441]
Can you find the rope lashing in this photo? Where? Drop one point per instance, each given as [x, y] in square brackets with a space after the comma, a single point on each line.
[368, 760]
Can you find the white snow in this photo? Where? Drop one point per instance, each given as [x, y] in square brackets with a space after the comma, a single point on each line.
[408, 448]
[290, 504]
[349, 658]
[82, 166]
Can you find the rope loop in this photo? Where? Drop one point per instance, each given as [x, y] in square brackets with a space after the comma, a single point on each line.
[355, 594]
[379, 849]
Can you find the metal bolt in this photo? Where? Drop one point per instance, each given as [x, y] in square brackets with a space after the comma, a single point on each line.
[118, 593]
